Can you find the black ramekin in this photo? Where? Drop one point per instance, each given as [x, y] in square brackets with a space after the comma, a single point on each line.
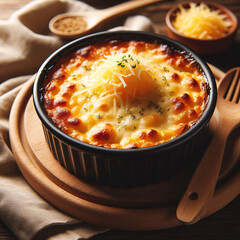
[124, 167]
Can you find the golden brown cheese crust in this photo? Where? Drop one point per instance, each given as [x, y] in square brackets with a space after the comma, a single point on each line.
[123, 94]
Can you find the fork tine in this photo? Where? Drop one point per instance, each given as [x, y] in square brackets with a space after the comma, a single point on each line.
[232, 91]
[236, 95]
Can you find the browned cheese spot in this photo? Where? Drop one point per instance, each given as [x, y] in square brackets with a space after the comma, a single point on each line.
[152, 133]
[74, 121]
[180, 106]
[175, 76]
[60, 102]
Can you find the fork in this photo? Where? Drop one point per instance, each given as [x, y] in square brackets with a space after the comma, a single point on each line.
[202, 185]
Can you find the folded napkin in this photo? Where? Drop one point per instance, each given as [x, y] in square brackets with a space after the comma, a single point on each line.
[25, 42]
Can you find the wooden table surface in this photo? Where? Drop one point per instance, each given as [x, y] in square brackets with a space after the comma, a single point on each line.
[223, 225]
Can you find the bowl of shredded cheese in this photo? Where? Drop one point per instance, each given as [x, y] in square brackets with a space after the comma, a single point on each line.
[206, 27]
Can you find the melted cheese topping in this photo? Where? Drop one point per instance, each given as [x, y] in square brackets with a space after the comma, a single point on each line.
[199, 21]
[125, 94]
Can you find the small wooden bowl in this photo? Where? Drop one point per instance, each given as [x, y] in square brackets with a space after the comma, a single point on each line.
[203, 47]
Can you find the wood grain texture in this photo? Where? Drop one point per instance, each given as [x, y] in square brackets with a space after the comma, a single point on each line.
[224, 225]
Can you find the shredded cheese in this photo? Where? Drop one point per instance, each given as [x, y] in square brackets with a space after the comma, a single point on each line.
[133, 94]
[123, 78]
[201, 22]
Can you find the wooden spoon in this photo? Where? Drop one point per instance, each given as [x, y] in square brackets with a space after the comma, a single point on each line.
[74, 25]
[202, 185]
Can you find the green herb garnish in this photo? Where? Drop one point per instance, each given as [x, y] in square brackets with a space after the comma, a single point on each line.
[125, 60]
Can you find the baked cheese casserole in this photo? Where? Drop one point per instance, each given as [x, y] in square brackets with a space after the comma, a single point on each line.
[125, 94]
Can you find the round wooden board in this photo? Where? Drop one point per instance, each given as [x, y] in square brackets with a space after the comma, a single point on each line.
[148, 208]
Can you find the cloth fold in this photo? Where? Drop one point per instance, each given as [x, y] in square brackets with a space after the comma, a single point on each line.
[25, 42]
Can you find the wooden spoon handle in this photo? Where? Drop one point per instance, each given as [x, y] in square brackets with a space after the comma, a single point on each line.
[126, 7]
[203, 182]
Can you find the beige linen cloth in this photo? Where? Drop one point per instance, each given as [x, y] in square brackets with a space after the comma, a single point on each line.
[25, 42]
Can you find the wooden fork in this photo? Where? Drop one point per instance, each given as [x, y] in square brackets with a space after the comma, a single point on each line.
[202, 185]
